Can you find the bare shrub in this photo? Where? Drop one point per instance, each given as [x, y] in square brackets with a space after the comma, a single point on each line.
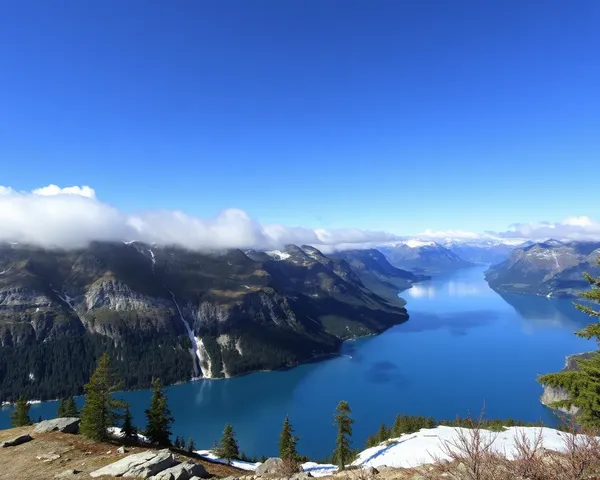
[471, 454]
[288, 468]
[581, 457]
[529, 457]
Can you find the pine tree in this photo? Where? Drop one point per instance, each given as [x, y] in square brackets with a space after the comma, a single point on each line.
[20, 415]
[228, 448]
[287, 441]
[101, 409]
[158, 428]
[39, 419]
[70, 408]
[191, 446]
[61, 408]
[344, 423]
[129, 431]
[382, 434]
[583, 385]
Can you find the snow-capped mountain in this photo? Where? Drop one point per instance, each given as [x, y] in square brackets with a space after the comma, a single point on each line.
[483, 251]
[423, 256]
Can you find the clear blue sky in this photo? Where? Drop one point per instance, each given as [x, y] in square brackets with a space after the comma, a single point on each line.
[395, 115]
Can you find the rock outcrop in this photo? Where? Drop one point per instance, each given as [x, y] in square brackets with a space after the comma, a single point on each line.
[139, 465]
[555, 394]
[64, 425]
[182, 471]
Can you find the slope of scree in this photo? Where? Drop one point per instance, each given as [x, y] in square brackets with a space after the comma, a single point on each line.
[172, 313]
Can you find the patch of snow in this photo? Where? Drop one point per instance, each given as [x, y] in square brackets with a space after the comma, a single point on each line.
[423, 447]
[278, 254]
[238, 347]
[118, 433]
[412, 450]
[5, 271]
[31, 376]
[414, 243]
[248, 466]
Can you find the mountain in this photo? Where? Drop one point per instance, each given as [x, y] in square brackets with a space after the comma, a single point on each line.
[482, 251]
[550, 268]
[377, 274]
[422, 257]
[173, 313]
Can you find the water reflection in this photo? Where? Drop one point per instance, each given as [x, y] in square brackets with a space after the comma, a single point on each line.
[457, 323]
[542, 313]
[451, 288]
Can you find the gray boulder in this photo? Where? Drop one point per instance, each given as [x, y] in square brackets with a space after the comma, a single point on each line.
[65, 425]
[16, 441]
[143, 465]
[271, 466]
[182, 471]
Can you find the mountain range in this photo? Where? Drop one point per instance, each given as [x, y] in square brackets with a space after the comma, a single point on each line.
[423, 257]
[178, 314]
[549, 268]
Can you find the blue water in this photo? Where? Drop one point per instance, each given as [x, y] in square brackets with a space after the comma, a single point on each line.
[463, 346]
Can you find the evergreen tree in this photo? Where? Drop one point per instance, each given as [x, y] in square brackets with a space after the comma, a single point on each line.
[39, 419]
[176, 442]
[158, 428]
[583, 385]
[382, 434]
[129, 431]
[344, 423]
[191, 446]
[228, 448]
[287, 441]
[70, 408]
[61, 408]
[20, 415]
[100, 409]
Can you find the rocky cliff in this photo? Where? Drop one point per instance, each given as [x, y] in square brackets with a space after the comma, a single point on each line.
[553, 394]
[173, 313]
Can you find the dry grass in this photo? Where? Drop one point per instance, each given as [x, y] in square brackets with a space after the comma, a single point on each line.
[76, 453]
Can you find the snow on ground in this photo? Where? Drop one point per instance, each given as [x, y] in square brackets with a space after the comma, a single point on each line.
[412, 450]
[414, 243]
[278, 254]
[235, 463]
[423, 447]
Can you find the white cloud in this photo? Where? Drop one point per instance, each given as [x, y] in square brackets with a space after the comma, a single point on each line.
[83, 191]
[72, 217]
[572, 228]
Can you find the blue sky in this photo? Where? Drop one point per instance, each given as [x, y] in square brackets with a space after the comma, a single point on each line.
[387, 115]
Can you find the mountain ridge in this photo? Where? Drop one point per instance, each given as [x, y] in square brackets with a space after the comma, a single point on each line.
[216, 314]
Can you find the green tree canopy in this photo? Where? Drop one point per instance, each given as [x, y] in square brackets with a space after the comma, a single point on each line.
[101, 409]
[191, 446]
[287, 441]
[582, 385]
[128, 430]
[20, 415]
[70, 408]
[228, 449]
[343, 452]
[158, 427]
[61, 408]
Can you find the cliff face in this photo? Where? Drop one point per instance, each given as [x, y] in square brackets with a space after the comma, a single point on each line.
[553, 394]
[229, 312]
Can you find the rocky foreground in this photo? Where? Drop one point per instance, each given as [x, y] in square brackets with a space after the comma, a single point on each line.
[53, 449]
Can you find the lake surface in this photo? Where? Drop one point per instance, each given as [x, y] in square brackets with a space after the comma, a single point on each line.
[463, 345]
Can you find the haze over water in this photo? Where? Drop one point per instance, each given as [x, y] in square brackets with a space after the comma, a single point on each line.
[463, 345]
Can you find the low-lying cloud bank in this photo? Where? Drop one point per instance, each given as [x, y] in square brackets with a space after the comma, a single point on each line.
[72, 217]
